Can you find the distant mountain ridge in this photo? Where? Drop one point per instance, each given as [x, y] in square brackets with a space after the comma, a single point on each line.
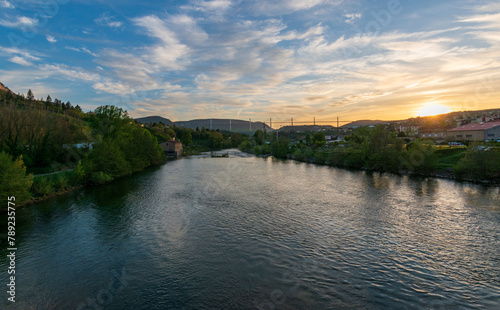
[154, 119]
[364, 122]
[224, 124]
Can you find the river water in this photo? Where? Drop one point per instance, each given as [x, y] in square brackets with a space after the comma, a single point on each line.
[259, 233]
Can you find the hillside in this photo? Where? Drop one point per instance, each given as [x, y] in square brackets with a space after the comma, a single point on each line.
[154, 119]
[224, 124]
[363, 123]
[5, 88]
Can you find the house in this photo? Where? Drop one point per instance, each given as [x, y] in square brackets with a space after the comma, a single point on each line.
[409, 130]
[476, 132]
[172, 148]
[432, 133]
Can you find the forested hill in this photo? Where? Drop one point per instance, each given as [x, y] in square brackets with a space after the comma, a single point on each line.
[45, 135]
[154, 119]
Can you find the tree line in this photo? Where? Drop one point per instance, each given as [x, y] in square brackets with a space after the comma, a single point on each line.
[379, 149]
[36, 138]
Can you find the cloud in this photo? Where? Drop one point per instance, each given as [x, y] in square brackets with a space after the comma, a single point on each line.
[51, 39]
[286, 6]
[106, 20]
[169, 53]
[351, 17]
[20, 60]
[6, 4]
[81, 50]
[214, 10]
[19, 56]
[19, 22]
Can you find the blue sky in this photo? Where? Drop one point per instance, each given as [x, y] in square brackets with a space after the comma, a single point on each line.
[256, 59]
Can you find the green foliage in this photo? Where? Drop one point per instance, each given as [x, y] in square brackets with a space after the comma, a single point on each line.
[320, 157]
[265, 149]
[355, 158]
[108, 120]
[259, 137]
[480, 163]
[78, 175]
[215, 140]
[60, 181]
[279, 149]
[236, 139]
[107, 157]
[97, 178]
[42, 186]
[449, 158]
[13, 179]
[419, 157]
[246, 146]
[319, 139]
[257, 150]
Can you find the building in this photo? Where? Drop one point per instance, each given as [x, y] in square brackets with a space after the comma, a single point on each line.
[172, 148]
[476, 132]
[409, 130]
[432, 133]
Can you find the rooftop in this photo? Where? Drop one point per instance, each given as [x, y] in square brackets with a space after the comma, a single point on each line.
[476, 126]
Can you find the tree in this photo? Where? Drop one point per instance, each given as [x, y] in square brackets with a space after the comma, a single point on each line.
[236, 139]
[107, 158]
[107, 120]
[215, 140]
[279, 148]
[308, 139]
[30, 95]
[13, 179]
[49, 99]
[259, 137]
[319, 139]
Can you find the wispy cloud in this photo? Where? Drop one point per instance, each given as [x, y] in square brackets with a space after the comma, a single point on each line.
[351, 17]
[19, 56]
[18, 22]
[6, 4]
[20, 61]
[107, 20]
[50, 38]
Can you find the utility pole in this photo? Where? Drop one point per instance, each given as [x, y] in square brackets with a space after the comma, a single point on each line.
[210, 124]
[314, 121]
[337, 122]
[292, 122]
[250, 123]
[229, 125]
[270, 123]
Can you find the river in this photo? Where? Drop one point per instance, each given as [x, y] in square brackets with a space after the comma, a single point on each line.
[259, 233]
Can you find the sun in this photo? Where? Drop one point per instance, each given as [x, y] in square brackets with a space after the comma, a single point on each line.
[433, 109]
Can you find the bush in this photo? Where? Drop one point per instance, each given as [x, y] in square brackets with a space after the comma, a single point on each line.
[13, 179]
[60, 181]
[479, 164]
[78, 175]
[99, 178]
[246, 146]
[319, 157]
[42, 186]
[257, 150]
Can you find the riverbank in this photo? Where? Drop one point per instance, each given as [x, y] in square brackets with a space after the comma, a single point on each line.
[441, 174]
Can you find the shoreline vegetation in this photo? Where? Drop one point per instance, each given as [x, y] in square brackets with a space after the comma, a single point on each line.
[377, 149]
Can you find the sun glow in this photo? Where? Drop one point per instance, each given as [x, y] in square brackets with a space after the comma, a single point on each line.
[433, 109]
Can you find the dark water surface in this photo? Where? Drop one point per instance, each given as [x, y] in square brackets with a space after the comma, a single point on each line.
[258, 233]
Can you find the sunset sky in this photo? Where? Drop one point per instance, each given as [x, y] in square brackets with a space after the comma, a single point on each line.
[256, 59]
